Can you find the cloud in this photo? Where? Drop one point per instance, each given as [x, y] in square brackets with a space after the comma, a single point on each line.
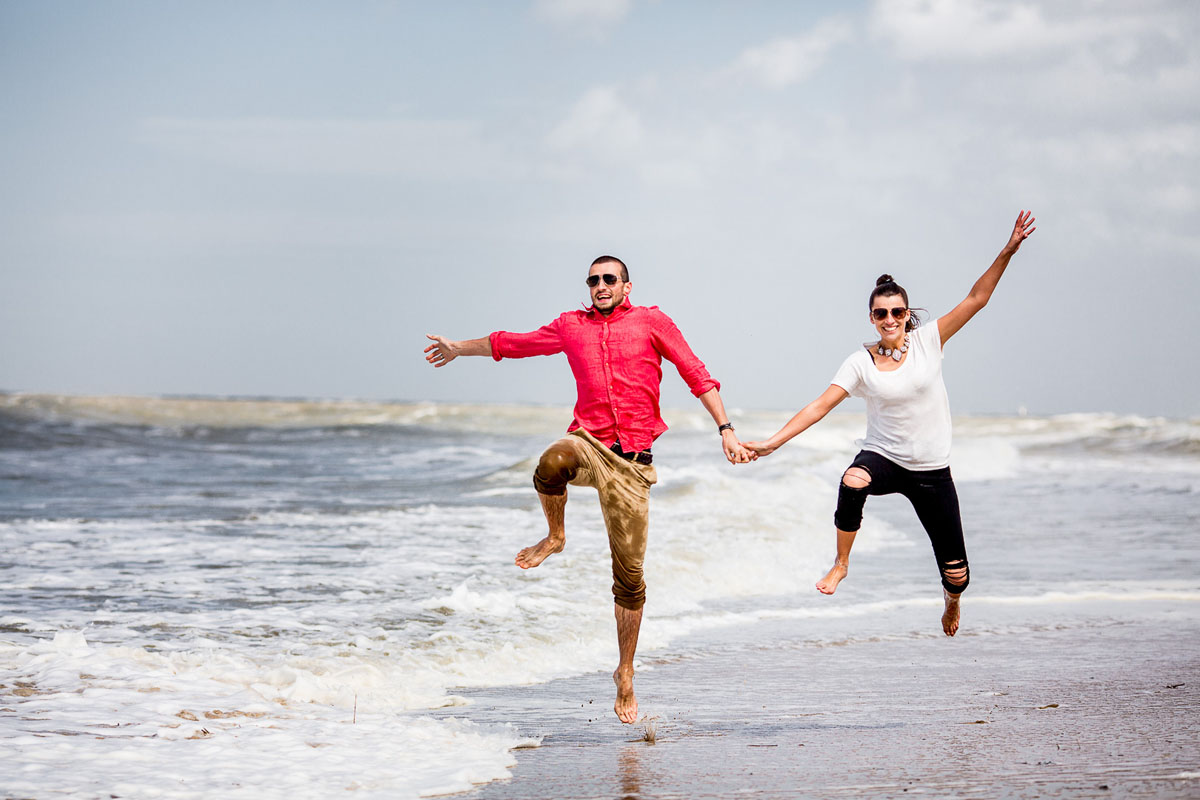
[787, 61]
[409, 148]
[1153, 166]
[602, 136]
[583, 12]
[599, 124]
[977, 30]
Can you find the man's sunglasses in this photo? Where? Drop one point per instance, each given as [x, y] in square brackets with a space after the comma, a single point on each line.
[609, 280]
[882, 313]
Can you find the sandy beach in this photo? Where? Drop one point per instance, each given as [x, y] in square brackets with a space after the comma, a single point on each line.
[1030, 700]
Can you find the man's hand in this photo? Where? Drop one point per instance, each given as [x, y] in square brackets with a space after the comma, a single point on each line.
[734, 451]
[442, 351]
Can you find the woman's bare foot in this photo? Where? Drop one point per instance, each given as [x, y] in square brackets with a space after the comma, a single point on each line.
[626, 705]
[950, 617]
[532, 556]
[829, 583]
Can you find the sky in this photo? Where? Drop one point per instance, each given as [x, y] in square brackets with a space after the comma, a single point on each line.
[263, 198]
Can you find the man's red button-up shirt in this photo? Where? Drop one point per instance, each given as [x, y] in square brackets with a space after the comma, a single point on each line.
[617, 362]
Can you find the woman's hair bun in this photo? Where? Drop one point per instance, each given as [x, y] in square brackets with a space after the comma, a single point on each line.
[884, 278]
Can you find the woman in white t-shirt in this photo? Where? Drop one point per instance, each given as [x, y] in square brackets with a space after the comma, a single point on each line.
[907, 445]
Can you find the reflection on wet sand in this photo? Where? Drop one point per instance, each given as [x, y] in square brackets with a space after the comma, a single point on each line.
[629, 770]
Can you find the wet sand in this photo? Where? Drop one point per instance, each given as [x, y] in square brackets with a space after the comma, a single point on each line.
[1027, 701]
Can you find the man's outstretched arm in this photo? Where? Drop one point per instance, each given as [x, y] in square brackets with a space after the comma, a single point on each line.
[670, 343]
[729, 441]
[443, 350]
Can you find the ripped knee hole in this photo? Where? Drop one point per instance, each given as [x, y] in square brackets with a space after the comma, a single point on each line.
[856, 478]
[955, 573]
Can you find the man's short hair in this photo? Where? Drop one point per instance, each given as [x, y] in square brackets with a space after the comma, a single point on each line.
[613, 260]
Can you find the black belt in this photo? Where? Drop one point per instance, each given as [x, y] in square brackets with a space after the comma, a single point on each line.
[640, 457]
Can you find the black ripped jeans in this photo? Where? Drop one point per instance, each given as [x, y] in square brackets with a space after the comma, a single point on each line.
[933, 497]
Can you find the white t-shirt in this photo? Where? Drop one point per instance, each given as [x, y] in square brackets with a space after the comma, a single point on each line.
[908, 412]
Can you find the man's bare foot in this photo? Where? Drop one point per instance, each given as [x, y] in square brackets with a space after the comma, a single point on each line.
[530, 557]
[950, 618]
[829, 583]
[626, 705]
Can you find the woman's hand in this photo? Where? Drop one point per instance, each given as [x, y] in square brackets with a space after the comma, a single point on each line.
[760, 448]
[1021, 231]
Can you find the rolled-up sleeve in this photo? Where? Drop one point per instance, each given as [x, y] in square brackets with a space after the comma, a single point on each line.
[669, 342]
[545, 341]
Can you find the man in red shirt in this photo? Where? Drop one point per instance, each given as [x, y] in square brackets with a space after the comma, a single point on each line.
[615, 350]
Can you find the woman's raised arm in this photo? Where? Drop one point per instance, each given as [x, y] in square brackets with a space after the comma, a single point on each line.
[981, 292]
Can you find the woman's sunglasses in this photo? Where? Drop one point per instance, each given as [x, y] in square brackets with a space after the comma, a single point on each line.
[880, 314]
[609, 280]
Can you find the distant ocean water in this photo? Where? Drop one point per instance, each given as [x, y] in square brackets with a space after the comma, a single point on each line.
[262, 597]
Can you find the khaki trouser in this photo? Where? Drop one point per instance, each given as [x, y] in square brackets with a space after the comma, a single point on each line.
[624, 487]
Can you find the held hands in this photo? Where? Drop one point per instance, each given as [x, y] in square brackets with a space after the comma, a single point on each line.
[735, 451]
[1021, 231]
[442, 352]
[760, 448]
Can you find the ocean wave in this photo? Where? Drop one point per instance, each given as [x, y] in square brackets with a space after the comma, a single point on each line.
[1107, 594]
[176, 413]
[1116, 434]
[207, 417]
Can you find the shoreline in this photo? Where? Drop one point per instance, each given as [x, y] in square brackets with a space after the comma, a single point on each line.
[1015, 708]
